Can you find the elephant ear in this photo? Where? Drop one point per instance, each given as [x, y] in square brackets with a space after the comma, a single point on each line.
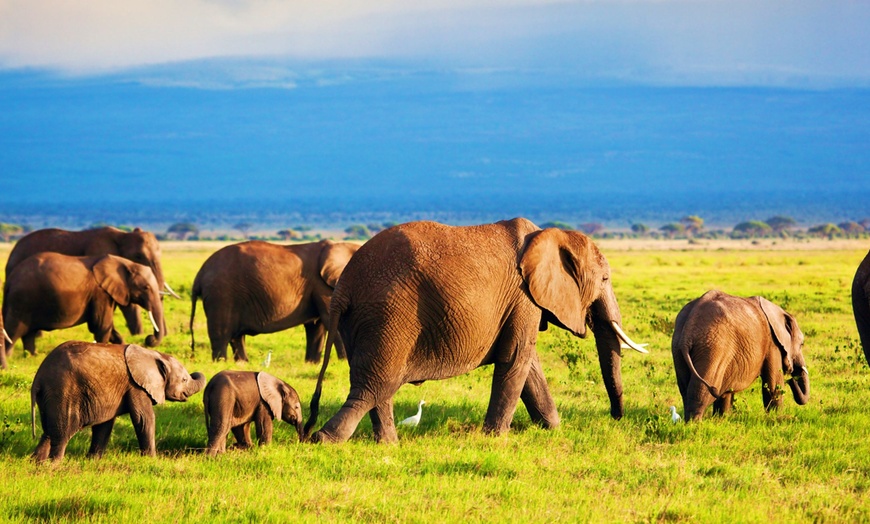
[333, 258]
[270, 392]
[112, 275]
[553, 266]
[782, 327]
[148, 370]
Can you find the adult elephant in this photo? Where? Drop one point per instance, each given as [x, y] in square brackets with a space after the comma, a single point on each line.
[258, 287]
[138, 246]
[861, 303]
[722, 343]
[80, 384]
[425, 301]
[51, 291]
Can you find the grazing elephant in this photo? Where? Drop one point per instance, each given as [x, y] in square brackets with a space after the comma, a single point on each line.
[257, 287]
[234, 399]
[722, 343]
[139, 246]
[861, 304]
[80, 384]
[425, 301]
[51, 291]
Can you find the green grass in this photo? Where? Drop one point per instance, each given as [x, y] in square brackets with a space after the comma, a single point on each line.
[808, 463]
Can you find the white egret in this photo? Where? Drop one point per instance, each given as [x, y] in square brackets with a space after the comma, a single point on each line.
[675, 417]
[413, 421]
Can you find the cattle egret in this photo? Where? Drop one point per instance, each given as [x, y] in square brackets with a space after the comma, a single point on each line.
[675, 417]
[268, 359]
[413, 421]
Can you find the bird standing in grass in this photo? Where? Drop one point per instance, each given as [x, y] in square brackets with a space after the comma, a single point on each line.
[413, 421]
[675, 417]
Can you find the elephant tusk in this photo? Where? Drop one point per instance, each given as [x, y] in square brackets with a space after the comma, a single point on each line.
[806, 371]
[627, 341]
[169, 289]
[6, 337]
[153, 322]
[623, 345]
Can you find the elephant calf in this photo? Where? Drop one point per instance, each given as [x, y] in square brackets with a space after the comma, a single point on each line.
[234, 399]
[722, 343]
[81, 384]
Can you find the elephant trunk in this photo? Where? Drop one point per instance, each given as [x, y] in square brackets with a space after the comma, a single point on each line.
[300, 429]
[603, 315]
[155, 313]
[196, 384]
[800, 385]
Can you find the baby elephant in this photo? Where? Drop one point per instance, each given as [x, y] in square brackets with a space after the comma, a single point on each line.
[234, 399]
[81, 384]
[722, 343]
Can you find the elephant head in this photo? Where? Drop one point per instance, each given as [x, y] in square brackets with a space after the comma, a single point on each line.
[142, 247]
[569, 279]
[333, 258]
[161, 376]
[131, 283]
[281, 399]
[789, 339]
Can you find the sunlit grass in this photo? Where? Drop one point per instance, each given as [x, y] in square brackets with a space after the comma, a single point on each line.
[801, 463]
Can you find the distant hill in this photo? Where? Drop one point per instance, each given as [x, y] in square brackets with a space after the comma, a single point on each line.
[340, 145]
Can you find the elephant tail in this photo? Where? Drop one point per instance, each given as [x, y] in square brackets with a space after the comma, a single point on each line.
[685, 350]
[314, 407]
[195, 292]
[33, 411]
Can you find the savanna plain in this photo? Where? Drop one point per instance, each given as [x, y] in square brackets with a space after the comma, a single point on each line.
[800, 464]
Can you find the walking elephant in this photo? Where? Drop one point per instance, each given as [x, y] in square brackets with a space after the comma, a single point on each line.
[234, 399]
[425, 301]
[722, 343]
[138, 246]
[861, 304]
[80, 384]
[51, 291]
[257, 287]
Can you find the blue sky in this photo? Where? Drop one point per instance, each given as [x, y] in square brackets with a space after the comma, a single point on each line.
[795, 43]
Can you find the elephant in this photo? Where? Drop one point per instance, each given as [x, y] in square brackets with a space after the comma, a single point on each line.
[722, 343]
[234, 399]
[258, 287]
[426, 301]
[138, 246]
[51, 291]
[81, 384]
[861, 304]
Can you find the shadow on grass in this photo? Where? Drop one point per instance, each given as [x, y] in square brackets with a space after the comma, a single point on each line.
[72, 508]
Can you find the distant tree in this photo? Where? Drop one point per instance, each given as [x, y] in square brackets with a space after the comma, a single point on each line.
[780, 223]
[851, 228]
[288, 234]
[558, 225]
[865, 223]
[374, 228]
[693, 224]
[673, 229]
[751, 229]
[591, 228]
[825, 230]
[639, 229]
[8, 231]
[244, 228]
[181, 230]
[357, 232]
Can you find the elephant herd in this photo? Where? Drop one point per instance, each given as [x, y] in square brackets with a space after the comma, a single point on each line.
[419, 301]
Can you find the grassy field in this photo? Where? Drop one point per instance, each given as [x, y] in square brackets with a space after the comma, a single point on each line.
[808, 463]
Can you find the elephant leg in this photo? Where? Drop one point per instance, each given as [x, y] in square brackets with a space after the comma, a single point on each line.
[772, 382]
[133, 316]
[341, 426]
[508, 381]
[29, 341]
[537, 398]
[263, 427]
[698, 399]
[383, 423]
[100, 434]
[340, 350]
[219, 341]
[217, 435]
[242, 432]
[238, 344]
[315, 333]
[115, 337]
[142, 417]
[42, 449]
[722, 405]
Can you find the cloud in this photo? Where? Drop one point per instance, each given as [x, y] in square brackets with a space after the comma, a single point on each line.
[658, 41]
